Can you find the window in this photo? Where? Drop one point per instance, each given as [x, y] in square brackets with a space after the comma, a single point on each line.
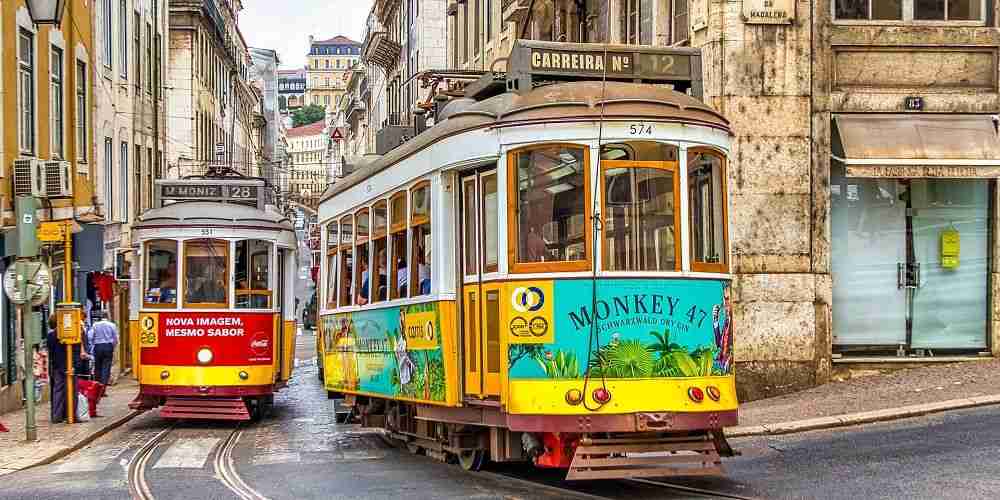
[109, 179]
[465, 32]
[640, 216]
[489, 19]
[551, 227]
[81, 111]
[26, 91]
[205, 273]
[123, 38]
[252, 273]
[346, 283]
[380, 290]
[420, 246]
[491, 239]
[477, 19]
[332, 264]
[680, 27]
[636, 23]
[326, 64]
[707, 194]
[106, 33]
[910, 10]
[137, 48]
[161, 274]
[137, 178]
[124, 180]
[157, 67]
[56, 100]
[398, 275]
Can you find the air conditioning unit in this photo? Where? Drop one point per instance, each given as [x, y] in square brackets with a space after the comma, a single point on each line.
[58, 179]
[29, 177]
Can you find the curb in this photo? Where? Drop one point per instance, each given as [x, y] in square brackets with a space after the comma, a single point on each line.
[866, 417]
[112, 424]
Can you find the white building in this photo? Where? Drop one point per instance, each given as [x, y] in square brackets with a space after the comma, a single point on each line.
[307, 149]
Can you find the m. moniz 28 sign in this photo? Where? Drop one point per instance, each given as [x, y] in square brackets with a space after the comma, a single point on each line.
[244, 191]
[533, 61]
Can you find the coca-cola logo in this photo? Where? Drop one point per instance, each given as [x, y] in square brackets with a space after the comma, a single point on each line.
[260, 344]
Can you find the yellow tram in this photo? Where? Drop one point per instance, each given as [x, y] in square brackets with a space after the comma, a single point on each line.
[543, 274]
[213, 312]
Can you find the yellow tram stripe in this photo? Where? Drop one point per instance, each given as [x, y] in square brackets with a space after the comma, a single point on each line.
[548, 397]
[207, 375]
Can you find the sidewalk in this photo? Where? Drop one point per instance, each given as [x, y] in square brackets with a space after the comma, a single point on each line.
[56, 441]
[873, 398]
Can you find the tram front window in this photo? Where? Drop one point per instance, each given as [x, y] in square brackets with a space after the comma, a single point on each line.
[161, 273]
[253, 264]
[551, 194]
[205, 283]
[639, 220]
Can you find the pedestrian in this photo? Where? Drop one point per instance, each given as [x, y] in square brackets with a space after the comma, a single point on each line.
[57, 371]
[103, 337]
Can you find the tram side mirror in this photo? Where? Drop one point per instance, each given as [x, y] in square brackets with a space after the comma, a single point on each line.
[123, 265]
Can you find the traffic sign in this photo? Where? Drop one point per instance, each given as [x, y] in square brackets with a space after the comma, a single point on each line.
[338, 134]
[50, 231]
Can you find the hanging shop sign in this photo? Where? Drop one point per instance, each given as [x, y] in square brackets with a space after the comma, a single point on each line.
[768, 11]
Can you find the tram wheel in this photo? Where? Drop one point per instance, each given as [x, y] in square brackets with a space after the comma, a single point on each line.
[472, 460]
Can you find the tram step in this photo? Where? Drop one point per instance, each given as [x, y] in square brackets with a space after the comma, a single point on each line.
[619, 458]
[204, 408]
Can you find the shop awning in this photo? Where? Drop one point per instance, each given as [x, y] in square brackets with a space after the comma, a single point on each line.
[912, 145]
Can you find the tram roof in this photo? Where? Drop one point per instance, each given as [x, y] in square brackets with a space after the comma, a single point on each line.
[207, 213]
[571, 101]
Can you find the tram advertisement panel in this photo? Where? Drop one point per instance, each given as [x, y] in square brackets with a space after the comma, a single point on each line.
[174, 338]
[395, 351]
[645, 328]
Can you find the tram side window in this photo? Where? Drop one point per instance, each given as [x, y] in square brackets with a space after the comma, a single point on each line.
[332, 264]
[380, 252]
[362, 278]
[253, 263]
[707, 191]
[551, 203]
[640, 225]
[420, 231]
[346, 294]
[206, 276]
[161, 273]
[398, 275]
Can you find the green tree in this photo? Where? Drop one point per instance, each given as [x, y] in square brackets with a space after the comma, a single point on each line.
[308, 114]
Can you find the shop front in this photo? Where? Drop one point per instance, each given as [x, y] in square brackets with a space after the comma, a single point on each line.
[911, 233]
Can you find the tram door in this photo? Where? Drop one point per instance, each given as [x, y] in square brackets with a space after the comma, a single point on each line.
[480, 297]
[280, 340]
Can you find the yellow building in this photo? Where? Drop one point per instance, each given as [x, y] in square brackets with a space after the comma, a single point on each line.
[327, 69]
[47, 100]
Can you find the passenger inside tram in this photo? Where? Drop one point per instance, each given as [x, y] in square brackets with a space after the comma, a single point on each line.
[206, 264]
[362, 296]
[402, 278]
[161, 274]
[380, 289]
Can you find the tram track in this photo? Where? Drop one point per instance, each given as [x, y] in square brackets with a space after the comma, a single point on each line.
[223, 465]
[564, 491]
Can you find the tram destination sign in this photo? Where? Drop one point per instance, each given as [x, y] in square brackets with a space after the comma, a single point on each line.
[533, 62]
[247, 192]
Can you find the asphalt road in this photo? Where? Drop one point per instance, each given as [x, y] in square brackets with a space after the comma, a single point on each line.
[300, 452]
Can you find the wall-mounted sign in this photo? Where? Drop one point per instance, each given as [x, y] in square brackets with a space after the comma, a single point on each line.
[924, 171]
[768, 11]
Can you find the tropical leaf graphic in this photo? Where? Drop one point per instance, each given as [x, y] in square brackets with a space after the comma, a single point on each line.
[562, 364]
[629, 359]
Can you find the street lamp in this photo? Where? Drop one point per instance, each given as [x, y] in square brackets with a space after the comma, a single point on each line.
[46, 11]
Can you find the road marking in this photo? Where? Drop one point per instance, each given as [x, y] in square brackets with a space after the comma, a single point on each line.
[187, 453]
[94, 459]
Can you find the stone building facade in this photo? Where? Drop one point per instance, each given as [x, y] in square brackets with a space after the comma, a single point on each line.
[862, 217]
[309, 170]
[212, 106]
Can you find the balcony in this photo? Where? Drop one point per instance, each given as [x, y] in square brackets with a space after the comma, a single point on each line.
[514, 11]
[379, 49]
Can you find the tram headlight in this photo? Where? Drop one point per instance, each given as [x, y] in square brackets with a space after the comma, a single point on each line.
[204, 355]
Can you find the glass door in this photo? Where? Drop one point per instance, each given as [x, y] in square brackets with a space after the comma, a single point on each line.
[868, 229]
[910, 263]
[950, 303]
[480, 300]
